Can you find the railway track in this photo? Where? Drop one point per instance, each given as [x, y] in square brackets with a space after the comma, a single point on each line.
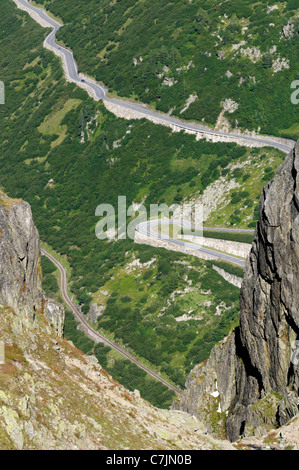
[95, 335]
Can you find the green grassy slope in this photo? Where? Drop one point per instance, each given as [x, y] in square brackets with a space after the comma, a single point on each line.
[65, 154]
[161, 52]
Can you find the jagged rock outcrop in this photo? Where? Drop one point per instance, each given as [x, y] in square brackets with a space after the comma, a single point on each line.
[262, 393]
[55, 314]
[52, 396]
[210, 387]
[20, 268]
[20, 274]
[95, 312]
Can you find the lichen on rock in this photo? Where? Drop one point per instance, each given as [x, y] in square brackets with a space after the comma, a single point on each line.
[55, 314]
[20, 275]
[262, 383]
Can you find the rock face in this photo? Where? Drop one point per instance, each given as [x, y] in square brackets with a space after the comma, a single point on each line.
[52, 396]
[55, 314]
[20, 275]
[254, 368]
[95, 312]
[269, 314]
[210, 388]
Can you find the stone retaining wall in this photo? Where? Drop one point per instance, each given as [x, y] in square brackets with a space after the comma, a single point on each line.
[231, 278]
[145, 239]
[34, 15]
[239, 249]
[125, 113]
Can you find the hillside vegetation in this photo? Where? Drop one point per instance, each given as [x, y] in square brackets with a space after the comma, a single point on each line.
[65, 154]
[238, 56]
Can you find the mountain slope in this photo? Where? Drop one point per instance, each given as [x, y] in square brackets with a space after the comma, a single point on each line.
[200, 60]
[68, 155]
[251, 378]
[52, 396]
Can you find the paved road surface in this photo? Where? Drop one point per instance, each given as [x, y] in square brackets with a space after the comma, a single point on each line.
[223, 229]
[100, 92]
[149, 228]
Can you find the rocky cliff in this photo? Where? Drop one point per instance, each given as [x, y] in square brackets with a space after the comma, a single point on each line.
[250, 382]
[20, 273]
[52, 396]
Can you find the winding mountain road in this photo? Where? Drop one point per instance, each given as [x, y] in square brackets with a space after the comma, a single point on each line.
[93, 334]
[149, 228]
[100, 92]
